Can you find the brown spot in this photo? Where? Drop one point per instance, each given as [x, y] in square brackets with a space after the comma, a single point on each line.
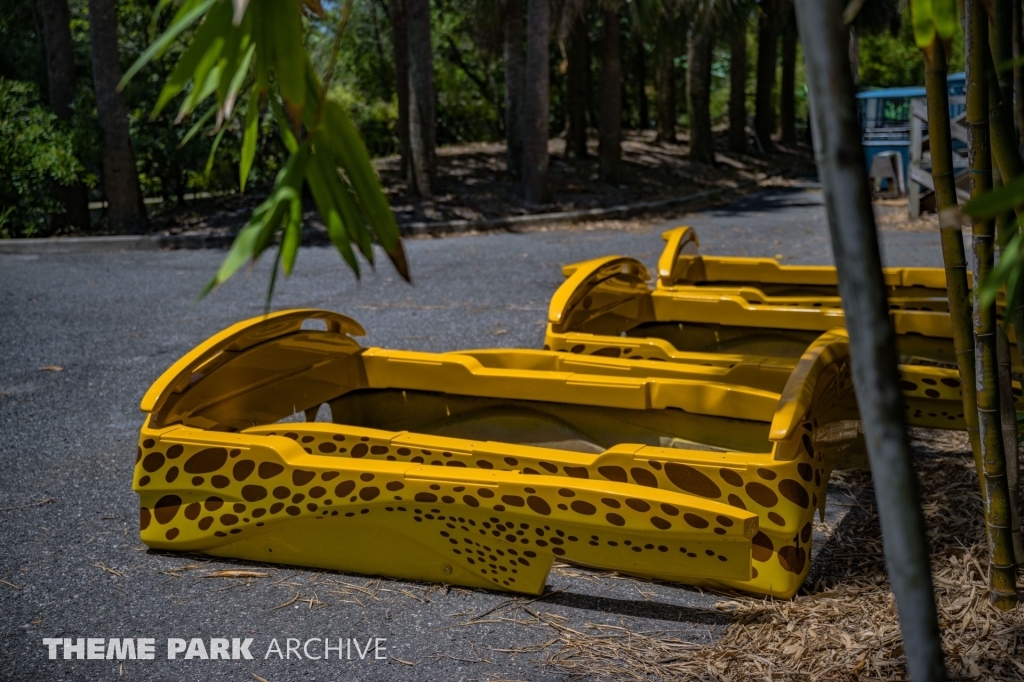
[608, 352]
[257, 513]
[394, 485]
[669, 509]
[577, 472]
[228, 519]
[762, 547]
[538, 504]
[578, 348]
[298, 497]
[238, 507]
[153, 462]
[220, 481]
[610, 502]
[484, 464]
[344, 488]
[148, 443]
[138, 454]
[794, 492]
[731, 477]
[144, 481]
[213, 504]
[513, 500]
[369, 493]
[420, 497]
[805, 532]
[581, 507]
[144, 517]
[485, 492]
[196, 481]
[206, 461]
[317, 492]
[762, 494]
[565, 492]
[269, 469]
[360, 450]
[253, 493]
[548, 467]
[637, 505]
[615, 519]
[660, 523]
[805, 470]
[302, 477]
[613, 473]
[205, 523]
[471, 501]
[293, 511]
[792, 559]
[735, 501]
[808, 445]
[172, 474]
[329, 475]
[192, 511]
[276, 507]
[327, 447]
[724, 520]
[243, 469]
[167, 508]
[280, 492]
[172, 533]
[174, 452]
[696, 521]
[687, 478]
[644, 477]
[766, 474]
[367, 477]
[776, 519]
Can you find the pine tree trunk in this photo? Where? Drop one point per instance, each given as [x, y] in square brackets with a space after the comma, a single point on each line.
[60, 75]
[422, 121]
[841, 165]
[610, 126]
[665, 82]
[125, 210]
[738, 90]
[702, 141]
[576, 89]
[1002, 568]
[787, 94]
[535, 105]
[640, 77]
[400, 41]
[767, 53]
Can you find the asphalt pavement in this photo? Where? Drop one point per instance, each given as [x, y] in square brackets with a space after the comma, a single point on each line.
[73, 566]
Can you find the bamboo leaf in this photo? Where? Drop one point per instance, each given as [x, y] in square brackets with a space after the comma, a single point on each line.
[921, 19]
[997, 201]
[199, 124]
[292, 232]
[351, 218]
[252, 126]
[173, 31]
[284, 30]
[213, 151]
[331, 215]
[945, 16]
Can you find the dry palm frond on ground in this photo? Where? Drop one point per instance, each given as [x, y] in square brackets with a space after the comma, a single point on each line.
[843, 625]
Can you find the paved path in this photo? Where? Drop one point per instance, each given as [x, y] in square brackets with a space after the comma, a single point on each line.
[74, 567]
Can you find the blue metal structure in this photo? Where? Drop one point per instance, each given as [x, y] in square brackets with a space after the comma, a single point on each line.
[885, 117]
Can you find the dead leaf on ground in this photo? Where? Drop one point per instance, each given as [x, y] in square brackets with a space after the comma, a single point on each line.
[237, 574]
[51, 368]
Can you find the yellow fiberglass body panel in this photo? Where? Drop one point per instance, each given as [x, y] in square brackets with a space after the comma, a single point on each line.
[609, 298]
[480, 468]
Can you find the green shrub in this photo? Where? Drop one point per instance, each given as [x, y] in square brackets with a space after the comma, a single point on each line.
[36, 154]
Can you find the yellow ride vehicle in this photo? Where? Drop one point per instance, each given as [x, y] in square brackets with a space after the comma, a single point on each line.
[480, 468]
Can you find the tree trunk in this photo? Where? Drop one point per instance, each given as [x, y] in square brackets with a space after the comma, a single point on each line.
[767, 53]
[125, 210]
[854, 47]
[400, 41]
[576, 89]
[1002, 568]
[610, 127]
[702, 141]
[422, 120]
[515, 77]
[60, 75]
[787, 95]
[640, 77]
[535, 106]
[738, 90]
[841, 165]
[1018, 69]
[665, 81]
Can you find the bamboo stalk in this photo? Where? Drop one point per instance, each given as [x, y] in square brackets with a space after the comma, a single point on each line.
[841, 165]
[1002, 568]
[1011, 442]
[951, 235]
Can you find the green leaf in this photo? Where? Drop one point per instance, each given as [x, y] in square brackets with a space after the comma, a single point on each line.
[199, 124]
[945, 16]
[283, 29]
[330, 214]
[921, 18]
[179, 24]
[292, 232]
[213, 150]
[351, 218]
[1000, 200]
[252, 126]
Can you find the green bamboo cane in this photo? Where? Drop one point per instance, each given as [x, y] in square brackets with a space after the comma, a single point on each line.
[1002, 568]
[953, 256]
